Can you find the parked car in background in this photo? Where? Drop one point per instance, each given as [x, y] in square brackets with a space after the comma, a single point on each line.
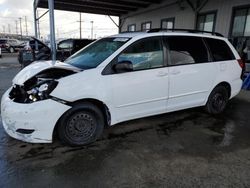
[68, 47]
[120, 78]
[11, 45]
[35, 50]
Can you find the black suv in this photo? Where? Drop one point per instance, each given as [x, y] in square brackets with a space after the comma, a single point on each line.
[36, 50]
[68, 47]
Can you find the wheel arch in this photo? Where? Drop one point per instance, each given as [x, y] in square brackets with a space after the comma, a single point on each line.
[101, 105]
[227, 85]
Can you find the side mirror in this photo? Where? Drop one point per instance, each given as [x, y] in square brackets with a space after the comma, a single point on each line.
[123, 66]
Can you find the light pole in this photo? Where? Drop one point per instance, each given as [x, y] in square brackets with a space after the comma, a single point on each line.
[21, 32]
[80, 26]
[92, 29]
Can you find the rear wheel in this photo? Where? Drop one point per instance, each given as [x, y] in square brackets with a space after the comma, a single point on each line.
[81, 125]
[217, 100]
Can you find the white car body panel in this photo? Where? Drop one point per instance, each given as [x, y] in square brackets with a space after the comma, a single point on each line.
[127, 96]
[139, 94]
[190, 84]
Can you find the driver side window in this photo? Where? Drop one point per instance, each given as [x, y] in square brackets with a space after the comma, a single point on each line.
[65, 45]
[144, 54]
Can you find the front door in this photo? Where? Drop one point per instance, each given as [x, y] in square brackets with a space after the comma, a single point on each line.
[143, 91]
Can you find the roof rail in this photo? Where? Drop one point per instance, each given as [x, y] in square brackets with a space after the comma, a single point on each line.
[184, 30]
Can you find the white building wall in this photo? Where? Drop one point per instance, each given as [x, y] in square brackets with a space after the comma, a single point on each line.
[184, 15]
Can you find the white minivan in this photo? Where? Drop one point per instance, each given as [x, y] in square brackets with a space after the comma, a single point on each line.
[120, 78]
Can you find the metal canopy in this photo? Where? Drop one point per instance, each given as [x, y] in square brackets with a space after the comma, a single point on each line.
[105, 7]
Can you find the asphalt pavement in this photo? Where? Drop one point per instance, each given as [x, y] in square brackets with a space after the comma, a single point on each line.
[189, 148]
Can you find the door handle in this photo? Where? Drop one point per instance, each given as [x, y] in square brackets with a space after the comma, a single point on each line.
[162, 74]
[175, 72]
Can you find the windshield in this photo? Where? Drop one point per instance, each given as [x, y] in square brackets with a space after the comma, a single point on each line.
[96, 53]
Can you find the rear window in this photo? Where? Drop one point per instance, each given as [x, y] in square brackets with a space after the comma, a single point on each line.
[220, 50]
[187, 50]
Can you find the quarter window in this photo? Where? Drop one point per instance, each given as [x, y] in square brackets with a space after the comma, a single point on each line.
[206, 22]
[144, 54]
[186, 50]
[220, 50]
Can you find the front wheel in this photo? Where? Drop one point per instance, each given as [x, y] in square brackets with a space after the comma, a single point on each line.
[217, 100]
[81, 125]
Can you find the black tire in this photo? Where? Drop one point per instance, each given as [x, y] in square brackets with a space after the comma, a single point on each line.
[217, 100]
[81, 125]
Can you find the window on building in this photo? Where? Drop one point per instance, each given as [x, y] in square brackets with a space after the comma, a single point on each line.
[144, 54]
[241, 22]
[132, 28]
[146, 26]
[219, 50]
[186, 50]
[206, 22]
[168, 23]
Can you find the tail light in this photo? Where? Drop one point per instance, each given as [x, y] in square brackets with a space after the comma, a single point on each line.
[241, 63]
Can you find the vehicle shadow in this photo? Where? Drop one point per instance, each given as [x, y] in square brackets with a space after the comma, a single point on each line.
[191, 132]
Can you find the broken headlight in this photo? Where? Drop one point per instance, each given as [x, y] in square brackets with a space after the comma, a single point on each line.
[41, 90]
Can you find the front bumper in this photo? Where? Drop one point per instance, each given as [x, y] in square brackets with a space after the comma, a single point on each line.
[41, 117]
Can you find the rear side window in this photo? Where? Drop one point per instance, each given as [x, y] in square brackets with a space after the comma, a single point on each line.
[184, 50]
[219, 49]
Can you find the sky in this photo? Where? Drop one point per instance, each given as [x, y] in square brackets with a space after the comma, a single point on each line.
[66, 23]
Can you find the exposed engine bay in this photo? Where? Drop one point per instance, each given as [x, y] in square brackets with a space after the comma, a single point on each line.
[39, 86]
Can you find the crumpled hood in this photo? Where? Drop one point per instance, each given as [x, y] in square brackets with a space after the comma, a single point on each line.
[39, 66]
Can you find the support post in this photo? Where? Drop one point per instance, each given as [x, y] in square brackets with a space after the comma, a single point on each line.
[80, 25]
[26, 26]
[52, 30]
[92, 29]
[35, 20]
[16, 27]
[21, 30]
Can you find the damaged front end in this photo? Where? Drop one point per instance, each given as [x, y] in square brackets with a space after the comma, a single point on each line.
[38, 80]
[27, 106]
[39, 86]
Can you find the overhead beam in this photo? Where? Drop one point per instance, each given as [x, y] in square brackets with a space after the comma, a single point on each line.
[197, 5]
[86, 10]
[117, 3]
[107, 7]
[96, 5]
